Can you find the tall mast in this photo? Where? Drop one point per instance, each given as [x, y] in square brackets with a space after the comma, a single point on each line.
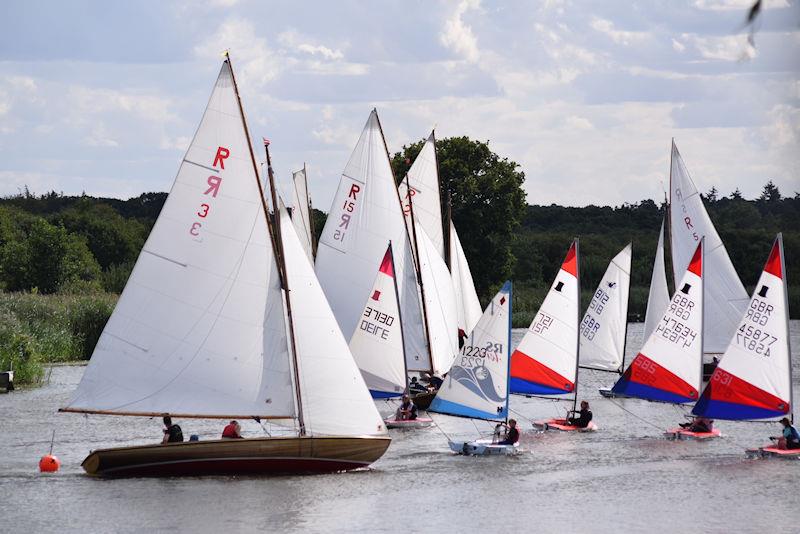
[668, 218]
[415, 248]
[399, 315]
[310, 214]
[625, 319]
[702, 306]
[446, 221]
[277, 242]
[578, 336]
[788, 338]
[508, 365]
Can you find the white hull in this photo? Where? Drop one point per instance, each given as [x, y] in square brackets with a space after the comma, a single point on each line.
[483, 447]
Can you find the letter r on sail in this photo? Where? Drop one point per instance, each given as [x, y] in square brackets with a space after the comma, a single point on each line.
[213, 185]
[222, 155]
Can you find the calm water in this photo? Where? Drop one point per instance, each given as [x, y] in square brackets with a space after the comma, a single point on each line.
[624, 477]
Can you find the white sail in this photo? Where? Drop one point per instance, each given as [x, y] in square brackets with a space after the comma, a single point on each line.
[424, 194]
[440, 304]
[199, 328]
[335, 399]
[658, 297]
[477, 384]
[377, 343]
[603, 326]
[467, 303]
[725, 296]
[668, 368]
[301, 216]
[545, 361]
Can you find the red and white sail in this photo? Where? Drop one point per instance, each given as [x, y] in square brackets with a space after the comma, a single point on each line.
[603, 327]
[377, 343]
[546, 360]
[725, 296]
[753, 379]
[669, 366]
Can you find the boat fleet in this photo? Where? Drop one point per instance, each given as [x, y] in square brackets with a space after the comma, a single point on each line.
[233, 311]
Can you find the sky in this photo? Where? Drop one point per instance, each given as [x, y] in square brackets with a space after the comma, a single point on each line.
[104, 97]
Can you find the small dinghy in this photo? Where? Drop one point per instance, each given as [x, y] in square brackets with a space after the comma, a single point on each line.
[684, 433]
[419, 422]
[483, 447]
[770, 451]
[563, 425]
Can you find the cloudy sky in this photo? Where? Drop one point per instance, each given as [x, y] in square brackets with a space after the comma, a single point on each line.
[103, 97]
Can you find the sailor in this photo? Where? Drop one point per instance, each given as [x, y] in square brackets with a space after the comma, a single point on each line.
[699, 424]
[416, 387]
[407, 411]
[172, 433]
[584, 416]
[512, 434]
[790, 438]
[232, 431]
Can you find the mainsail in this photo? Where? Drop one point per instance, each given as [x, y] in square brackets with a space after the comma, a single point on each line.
[477, 384]
[658, 297]
[467, 303]
[725, 296]
[546, 360]
[753, 379]
[377, 343]
[604, 325]
[668, 368]
[301, 213]
[199, 328]
[364, 217]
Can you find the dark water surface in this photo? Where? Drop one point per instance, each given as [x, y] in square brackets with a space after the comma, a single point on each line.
[623, 478]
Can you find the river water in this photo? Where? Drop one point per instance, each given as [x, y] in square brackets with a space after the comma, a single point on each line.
[623, 478]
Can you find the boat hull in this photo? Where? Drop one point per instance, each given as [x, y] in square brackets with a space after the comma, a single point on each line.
[251, 456]
[483, 447]
[770, 451]
[419, 422]
[609, 394]
[561, 424]
[682, 433]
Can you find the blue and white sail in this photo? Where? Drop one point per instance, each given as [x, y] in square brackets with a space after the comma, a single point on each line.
[477, 384]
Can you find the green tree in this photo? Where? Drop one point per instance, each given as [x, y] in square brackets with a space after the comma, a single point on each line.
[487, 199]
[770, 193]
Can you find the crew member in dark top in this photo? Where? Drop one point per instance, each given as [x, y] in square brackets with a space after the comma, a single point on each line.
[584, 416]
[699, 424]
[407, 411]
[172, 433]
[416, 387]
[789, 438]
[435, 381]
[232, 431]
[512, 434]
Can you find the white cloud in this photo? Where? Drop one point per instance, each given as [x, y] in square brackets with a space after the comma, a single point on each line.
[737, 5]
[725, 48]
[678, 46]
[457, 36]
[625, 38]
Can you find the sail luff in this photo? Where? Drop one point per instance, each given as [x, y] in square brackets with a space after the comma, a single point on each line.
[421, 285]
[577, 336]
[399, 315]
[786, 326]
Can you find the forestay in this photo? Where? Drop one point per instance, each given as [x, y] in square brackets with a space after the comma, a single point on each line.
[199, 329]
[377, 343]
[335, 399]
[603, 326]
[424, 194]
[301, 216]
[440, 304]
[658, 296]
[467, 303]
[753, 379]
[364, 217]
[668, 368]
[477, 384]
[545, 361]
[725, 296]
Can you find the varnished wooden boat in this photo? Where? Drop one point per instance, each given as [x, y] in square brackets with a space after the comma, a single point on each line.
[251, 456]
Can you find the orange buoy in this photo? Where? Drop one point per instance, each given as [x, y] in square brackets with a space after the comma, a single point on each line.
[49, 464]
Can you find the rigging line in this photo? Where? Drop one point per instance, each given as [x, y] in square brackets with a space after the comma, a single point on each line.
[430, 414]
[636, 416]
[520, 415]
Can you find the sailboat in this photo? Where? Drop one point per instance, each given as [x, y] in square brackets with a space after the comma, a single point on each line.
[223, 318]
[365, 215]
[546, 360]
[467, 303]
[725, 296]
[668, 367]
[302, 217]
[477, 385]
[753, 378]
[378, 346]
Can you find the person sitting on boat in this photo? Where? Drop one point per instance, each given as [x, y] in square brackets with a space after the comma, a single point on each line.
[699, 424]
[512, 434]
[416, 387]
[790, 439]
[232, 431]
[407, 410]
[172, 433]
[436, 382]
[584, 416]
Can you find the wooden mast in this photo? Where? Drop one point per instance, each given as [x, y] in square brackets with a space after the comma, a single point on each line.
[277, 242]
[310, 213]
